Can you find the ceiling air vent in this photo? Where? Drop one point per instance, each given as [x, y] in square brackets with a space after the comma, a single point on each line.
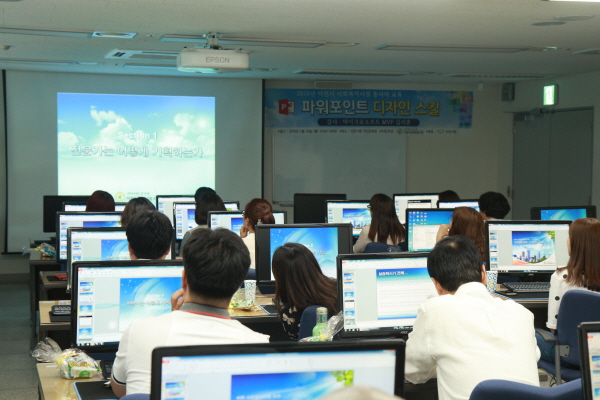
[453, 49]
[142, 55]
[346, 72]
[499, 76]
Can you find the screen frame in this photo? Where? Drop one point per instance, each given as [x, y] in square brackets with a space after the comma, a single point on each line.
[412, 194]
[370, 256]
[278, 347]
[241, 212]
[106, 348]
[584, 357]
[422, 209]
[513, 222]
[51, 204]
[536, 212]
[57, 224]
[263, 245]
[345, 201]
[460, 201]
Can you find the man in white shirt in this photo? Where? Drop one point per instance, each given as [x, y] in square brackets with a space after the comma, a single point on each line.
[465, 335]
[215, 266]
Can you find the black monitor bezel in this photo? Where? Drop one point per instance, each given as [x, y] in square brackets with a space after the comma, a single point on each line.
[69, 249]
[518, 274]
[279, 347]
[263, 245]
[421, 209]
[536, 212]
[51, 204]
[105, 348]
[340, 281]
[584, 357]
[57, 225]
[298, 217]
[459, 201]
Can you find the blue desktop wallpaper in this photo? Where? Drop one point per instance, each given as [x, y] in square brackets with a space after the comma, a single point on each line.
[290, 386]
[114, 249]
[323, 242]
[142, 297]
[433, 217]
[567, 214]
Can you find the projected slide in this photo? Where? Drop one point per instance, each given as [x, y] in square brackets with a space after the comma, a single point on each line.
[570, 214]
[534, 247]
[114, 249]
[131, 145]
[323, 242]
[358, 218]
[290, 386]
[142, 297]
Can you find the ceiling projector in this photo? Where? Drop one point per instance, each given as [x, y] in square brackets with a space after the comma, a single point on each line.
[212, 61]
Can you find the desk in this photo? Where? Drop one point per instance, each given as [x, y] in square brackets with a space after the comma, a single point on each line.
[52, 387]
[37, 264]
[539, 307]
[45, 324]
[46, 285]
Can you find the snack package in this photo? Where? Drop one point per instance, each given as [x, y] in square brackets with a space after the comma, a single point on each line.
[72, 363]
[334, 325]
[45, 249]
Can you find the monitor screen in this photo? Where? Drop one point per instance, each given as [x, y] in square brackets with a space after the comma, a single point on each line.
[184, 215]
[589, 357]
[569, 213]
[300, 371]
[54, 204]
[66, 220]
[325, 241]
[312, 208]
[382, 292]
[164, 203]
[95, 244]
[355, 212]
[461, 203]
[108, 296]
[527, 246]
[415, 200]
[234, 221]
[231, 205]
[72, 206]
[423, 225]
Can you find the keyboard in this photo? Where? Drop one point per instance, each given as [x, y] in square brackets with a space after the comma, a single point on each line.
[528, 287]
[106, 366]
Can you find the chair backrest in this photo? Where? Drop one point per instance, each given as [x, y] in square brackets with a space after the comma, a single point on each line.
[576, 306]
[376, 247]
[497, 389]
[308, 320]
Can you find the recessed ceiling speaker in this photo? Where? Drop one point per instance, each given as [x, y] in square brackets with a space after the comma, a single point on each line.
[508, 91]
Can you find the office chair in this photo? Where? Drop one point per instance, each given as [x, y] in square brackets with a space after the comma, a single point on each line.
[497, 389]
[577, 306]
[376, 247]
[136, 396]
[308, 320]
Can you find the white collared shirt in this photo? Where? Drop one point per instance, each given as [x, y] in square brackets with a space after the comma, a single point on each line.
[469, 337]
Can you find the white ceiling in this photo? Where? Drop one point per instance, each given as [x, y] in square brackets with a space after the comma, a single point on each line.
[372, 23]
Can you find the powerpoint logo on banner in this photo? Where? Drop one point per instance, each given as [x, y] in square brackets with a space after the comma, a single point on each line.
[286, 107]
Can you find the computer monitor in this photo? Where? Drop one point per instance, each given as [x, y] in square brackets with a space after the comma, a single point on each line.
[589, 359]
[281, 370]
[526, 247]
[413, 200]
[65, 220]
[326, 241]
[234, 220]
[184, 216]
[231, 205]
[54, 204]
[355, 212]
[108, 295]
[95, 244]
[565, 213]
[422, 225]
[81, 206]
[459, 203]
[164, 203]
[312, 208]
[380, 294]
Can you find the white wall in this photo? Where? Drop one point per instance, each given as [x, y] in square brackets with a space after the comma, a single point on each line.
[470, 165]
[575, 91]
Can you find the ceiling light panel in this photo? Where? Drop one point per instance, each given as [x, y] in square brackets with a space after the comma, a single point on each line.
[46, 32]
[453, 49]
[232, 41]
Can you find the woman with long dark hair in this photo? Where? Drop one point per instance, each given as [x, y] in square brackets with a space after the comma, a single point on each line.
[257, 211]
[300, 283]
[100, 201]
[385, 226]
[468, 222]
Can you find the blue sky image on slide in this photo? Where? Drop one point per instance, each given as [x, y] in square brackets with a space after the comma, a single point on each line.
[141, 139]
[570, 214]
[323, 242]
[533, 247]
[358, 218]
[142, 297]
[236, 224]
[290, 386]
[114, 249]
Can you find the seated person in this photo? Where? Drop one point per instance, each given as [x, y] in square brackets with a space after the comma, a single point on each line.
[100, 201]
[258, 211]
[493, 205]
[215, 265]
[385, 226]
[149, 234]
[465, 335]
[134, 206]
[299, 283]
[581, 273]
[208, 201]
[468, 222]
[448, 195]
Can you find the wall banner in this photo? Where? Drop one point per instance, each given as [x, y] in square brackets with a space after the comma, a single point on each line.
[402, 112]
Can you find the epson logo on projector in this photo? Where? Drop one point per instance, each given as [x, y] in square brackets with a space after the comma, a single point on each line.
[217, 60]
[212, 61]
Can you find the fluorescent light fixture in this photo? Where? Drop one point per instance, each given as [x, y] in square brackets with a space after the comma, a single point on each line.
[46, 32]
[457, 49]
[114, 35]
[27, 61]
[234, 41]
[152, 66]
[550, 95]
[350, 72]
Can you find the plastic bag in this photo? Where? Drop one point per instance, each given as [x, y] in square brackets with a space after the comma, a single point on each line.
[45, 249]
[72, 363]
[334, 325]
